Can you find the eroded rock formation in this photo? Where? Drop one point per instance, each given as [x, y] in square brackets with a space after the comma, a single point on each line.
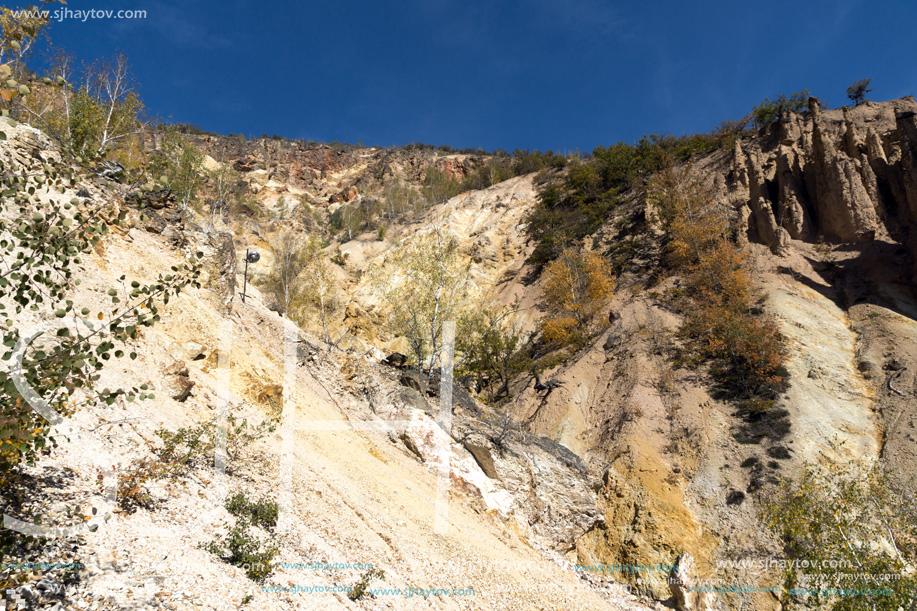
[844, 175]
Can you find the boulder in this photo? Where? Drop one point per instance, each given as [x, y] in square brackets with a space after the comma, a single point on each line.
[194, 351]
[177, 383]
[481, 448]
[155, 199]
[413, 399]
[395, 359]
[412, 379]
[153, 222]
[347, 195]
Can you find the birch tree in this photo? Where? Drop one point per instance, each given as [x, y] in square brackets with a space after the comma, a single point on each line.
[319, 283]
[290, 260]
[427, 285]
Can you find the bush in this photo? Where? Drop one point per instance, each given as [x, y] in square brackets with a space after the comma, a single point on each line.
[264, 511]
[190, 446]
[854, 516]
[240, 547]
[575, 204]
[722, 325]
[769, 110]
[359, 589]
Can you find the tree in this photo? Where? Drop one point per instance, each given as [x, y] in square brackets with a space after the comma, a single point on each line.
[101, 113]
[290, 260]
[428, 285]
[855, 516]
[857, 92]
[438, 187]
[181, 166]
[491, 344]
[19, 31]
[576, 285]
[224, 180]
[319, 282]
[42, 244]
[49, 108]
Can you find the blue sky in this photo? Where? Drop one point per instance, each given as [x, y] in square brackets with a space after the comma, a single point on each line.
[543, 74]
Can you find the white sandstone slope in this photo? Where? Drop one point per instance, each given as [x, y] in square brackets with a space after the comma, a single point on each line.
[347, 496]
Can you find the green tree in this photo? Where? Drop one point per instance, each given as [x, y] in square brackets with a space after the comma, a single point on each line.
[492, 346]
[223, 184]
[319, 283]
[857, 92]
[181, 167]
[42, 244]
[438, 187]
[290, 259]
[427, 285]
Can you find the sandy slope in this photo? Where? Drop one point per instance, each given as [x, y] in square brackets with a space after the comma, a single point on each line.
[347, 496]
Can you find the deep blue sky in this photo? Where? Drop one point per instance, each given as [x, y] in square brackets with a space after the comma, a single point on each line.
[546, 74]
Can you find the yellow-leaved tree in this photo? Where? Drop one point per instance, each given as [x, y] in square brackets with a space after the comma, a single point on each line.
[577, 285]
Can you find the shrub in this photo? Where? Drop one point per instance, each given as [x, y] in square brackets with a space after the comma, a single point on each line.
[264, 511]
[240, 547]
[723, 326]
[770, 110]
[850, 515]
[575, 204]
[132, 493]
[189, 446]
[561, 331]
[359, 589]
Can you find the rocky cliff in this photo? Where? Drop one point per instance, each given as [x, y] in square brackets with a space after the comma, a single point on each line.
[365, 472]
[632, 461]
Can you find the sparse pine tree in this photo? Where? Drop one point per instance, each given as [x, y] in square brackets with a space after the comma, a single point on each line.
[857, 92]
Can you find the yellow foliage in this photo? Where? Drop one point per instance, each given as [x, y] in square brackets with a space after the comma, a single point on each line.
[722, 322]
[560, 330]
[576, 287]
[20, 26]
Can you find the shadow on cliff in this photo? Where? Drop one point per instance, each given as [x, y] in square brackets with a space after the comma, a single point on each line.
[876, 273]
